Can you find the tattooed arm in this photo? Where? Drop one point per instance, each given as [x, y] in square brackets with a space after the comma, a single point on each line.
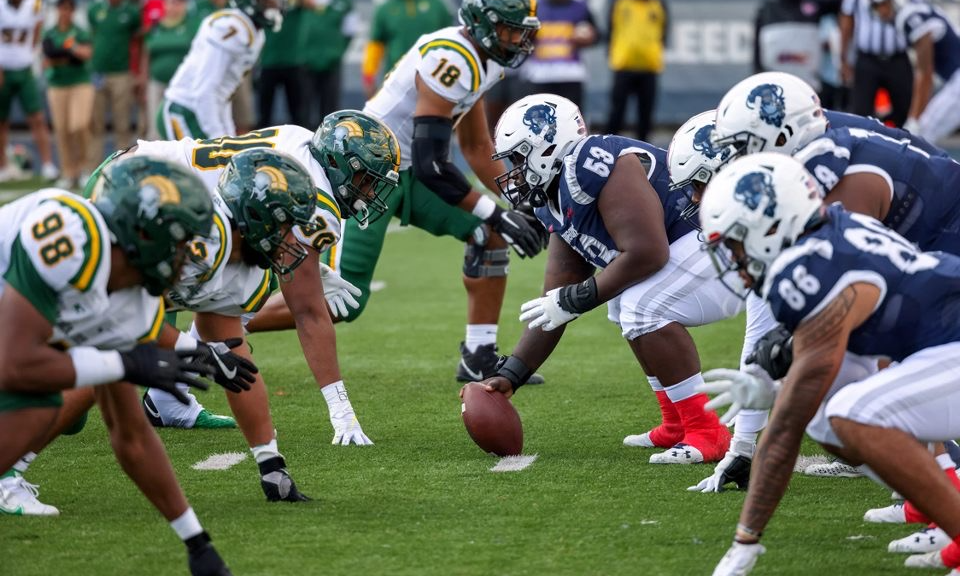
[819, 344]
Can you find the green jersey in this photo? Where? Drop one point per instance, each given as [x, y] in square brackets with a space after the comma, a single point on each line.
[112, 27]
[67, 71]
[167, 45]
[398, 23]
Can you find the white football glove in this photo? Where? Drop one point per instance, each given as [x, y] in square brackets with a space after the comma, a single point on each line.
[739, 559]
[338, 292]
[347, 429]
[751, 388]
[729, 469]
[545, 312]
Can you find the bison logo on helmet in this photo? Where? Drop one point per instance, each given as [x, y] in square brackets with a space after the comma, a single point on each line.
[752, 188]
[703, 143]
[542, 121]
[768, 100]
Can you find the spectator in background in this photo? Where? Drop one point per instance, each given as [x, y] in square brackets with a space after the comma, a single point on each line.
[67, 50]
[20, 22]
[555, 67]
[328, 26]
[834, 94]
[395, 27]
[282, 66]
[114, 26]
[881, 61]
[638, 33]
[165, 46]
[787, 39]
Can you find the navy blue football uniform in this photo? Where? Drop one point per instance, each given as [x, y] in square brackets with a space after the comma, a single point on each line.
[925, 206]
[920, 291]
[916, 20]
[846, 120]
[576, 217]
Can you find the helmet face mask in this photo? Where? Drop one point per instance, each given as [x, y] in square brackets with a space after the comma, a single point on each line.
[504, 29]
[361, 157]
[268, 193]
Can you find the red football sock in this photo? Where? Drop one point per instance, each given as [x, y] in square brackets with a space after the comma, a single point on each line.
[703, 428]
[671, 430]
[951, 554]
[952, 476]
[914, 516]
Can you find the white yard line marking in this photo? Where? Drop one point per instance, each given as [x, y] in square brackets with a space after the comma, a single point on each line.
[513, 463]
[220, 461]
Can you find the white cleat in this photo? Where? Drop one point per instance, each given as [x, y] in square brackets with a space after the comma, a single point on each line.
[892, 514]
[639, 441]
[926, 540]
[679, 454]
[833, 469]
[49, 172]
[928, 560]
[19, 498]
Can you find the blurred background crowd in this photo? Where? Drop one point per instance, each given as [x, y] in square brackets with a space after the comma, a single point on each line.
[634, 66]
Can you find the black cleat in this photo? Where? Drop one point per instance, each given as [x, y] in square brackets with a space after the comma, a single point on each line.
[482, 364]
[203, 557]
[276, 482]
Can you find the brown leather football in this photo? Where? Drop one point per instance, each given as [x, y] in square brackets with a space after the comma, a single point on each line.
[491, 421]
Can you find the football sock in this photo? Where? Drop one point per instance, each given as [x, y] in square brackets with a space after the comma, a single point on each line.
[951, 554]
[187, 525]
[24, 462]
[912, 515]
[480, 335]
[750, 422]
[266, 451]
[670, 431]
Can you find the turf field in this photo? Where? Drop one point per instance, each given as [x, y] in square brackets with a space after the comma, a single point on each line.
[423, 501]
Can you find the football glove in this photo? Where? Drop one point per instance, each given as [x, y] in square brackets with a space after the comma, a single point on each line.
[232, 371]
[346, 427]
[515, 228]
[545, 312]
[750, 388]
[526, 210]
[739, 559]
[153, 367]
[735, 467]
[339, 293]
[774, 352]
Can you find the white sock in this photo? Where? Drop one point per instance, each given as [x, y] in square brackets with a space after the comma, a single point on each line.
[944, 460]
[187, 525]
[24, 462]
[655, 383]
[684, 389]
[480, 335]
[266, 451]
[750, 422]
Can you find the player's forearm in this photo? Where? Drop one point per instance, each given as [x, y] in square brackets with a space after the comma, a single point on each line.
[922, 88]
[478, 157]
[44, 370]
[628, 269]
[318, 339]
[535, 346]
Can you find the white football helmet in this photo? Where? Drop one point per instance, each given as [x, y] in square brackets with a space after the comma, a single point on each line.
[692, 155]
[765, 201]
[769, 112]
[535, 133]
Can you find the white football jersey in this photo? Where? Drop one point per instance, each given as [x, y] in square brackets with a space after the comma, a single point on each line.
[224, 50]
[448, 64]
[55, 250]
[18, 25]
[212, 284]
[207, 159]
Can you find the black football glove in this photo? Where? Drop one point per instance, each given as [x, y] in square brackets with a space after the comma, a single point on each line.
[517, 231]
[526, 210]
[774, 352]
[233, 372]
[161, 368]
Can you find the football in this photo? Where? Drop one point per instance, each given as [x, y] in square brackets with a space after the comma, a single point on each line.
[491, 421]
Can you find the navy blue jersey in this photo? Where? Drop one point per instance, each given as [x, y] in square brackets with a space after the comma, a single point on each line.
[847, 120]
[916, 20]
[919, 291]
[925, 205]
[576, 217]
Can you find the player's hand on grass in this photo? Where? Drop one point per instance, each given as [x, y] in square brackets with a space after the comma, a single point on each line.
[340, 293]
[733, 468]
[232, 371]
[739, 559]
[153, 367]
[347, 429]
[750, 388]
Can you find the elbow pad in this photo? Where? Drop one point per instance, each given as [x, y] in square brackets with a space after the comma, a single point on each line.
[430, 159]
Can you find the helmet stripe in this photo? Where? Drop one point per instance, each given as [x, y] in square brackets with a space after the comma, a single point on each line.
[83, 278]
[471, 59]
[154, 331]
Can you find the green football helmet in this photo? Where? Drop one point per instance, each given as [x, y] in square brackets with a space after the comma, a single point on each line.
[361, 157]
[154, 209]
[269, 192]
[481, 18]
[266, 14]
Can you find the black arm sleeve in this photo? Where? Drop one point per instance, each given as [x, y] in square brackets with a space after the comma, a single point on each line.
[51, 50]
[430, 159]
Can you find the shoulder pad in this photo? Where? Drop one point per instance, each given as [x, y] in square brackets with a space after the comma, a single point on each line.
[449, 68]
[229, 29]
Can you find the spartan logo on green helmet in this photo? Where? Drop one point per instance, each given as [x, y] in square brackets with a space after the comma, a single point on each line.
[154, 209]
[361, 157]
[267, 14]
[268, 193]
[504, 29]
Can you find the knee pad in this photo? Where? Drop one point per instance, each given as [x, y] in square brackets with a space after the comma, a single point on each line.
[478, 262]
[77, 426]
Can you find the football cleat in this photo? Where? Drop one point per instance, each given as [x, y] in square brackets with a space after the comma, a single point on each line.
[19, 498]
[203, 558]
[927, 540]
[276, 482]
[836, 468]
[892, 514]
[639, 441]
[928, 560]
[662, 436]
[679, 454]
[205, 419]
[482, 364]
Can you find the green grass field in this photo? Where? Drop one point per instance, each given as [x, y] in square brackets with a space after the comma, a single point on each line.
[423, 501]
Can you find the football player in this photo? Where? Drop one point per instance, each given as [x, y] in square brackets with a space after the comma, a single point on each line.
[82, 284]
[607, 203]
[436, 86]
[936, 49]
[352, 160]
[845, 286]
[196, 103]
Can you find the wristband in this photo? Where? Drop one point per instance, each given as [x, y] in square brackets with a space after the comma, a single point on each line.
[514, 370]
[579, 298]
[485, 208]
[185, 342]
[749, 532]
[94, 367]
